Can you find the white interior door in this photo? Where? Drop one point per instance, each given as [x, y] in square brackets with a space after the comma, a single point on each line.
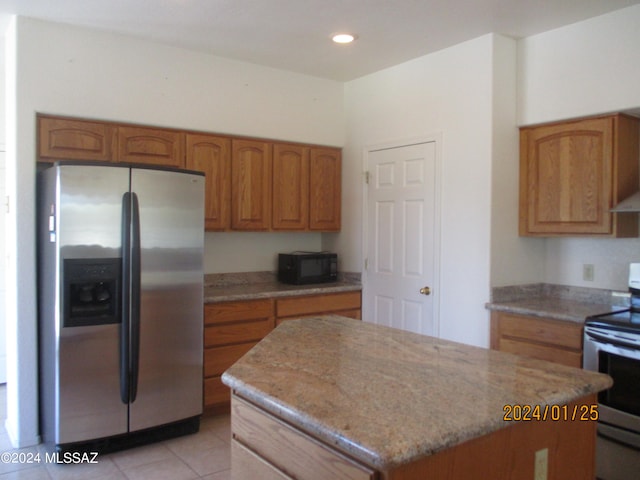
[400, 285]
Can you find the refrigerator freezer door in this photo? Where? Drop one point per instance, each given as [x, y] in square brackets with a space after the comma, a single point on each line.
[88, 227]
[171, 211]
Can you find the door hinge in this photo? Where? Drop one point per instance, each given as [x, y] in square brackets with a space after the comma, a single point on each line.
[366, 177]
[366, 263]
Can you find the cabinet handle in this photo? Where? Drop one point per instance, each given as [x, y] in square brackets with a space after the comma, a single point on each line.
[425, 291]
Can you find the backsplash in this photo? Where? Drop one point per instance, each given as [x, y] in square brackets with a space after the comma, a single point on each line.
[579, 294]
[249, 278]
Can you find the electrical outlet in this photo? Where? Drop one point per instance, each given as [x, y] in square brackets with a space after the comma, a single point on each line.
[588, 272]
[541, 464]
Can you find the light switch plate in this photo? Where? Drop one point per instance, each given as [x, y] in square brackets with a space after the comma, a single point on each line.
[541, 464]
[588, 272]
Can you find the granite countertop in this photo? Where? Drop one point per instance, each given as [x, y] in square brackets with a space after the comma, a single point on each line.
[558, 302]
[389, 397]
[255, 285]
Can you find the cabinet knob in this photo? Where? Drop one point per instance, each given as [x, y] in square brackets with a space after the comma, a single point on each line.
[425, 291]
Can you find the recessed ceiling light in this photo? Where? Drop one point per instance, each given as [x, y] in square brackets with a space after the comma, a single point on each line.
[343, 38]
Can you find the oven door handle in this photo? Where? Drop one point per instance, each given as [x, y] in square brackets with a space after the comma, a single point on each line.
[613, 341]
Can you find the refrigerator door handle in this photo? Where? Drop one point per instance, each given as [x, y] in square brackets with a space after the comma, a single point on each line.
[135, 295]
[126, 288]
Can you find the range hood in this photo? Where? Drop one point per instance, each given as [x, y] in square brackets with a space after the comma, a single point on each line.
[628, 205]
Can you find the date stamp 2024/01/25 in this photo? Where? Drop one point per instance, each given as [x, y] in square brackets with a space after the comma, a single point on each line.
[555, 413]
[48, 457]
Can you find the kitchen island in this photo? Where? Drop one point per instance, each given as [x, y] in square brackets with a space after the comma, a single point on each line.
[329, 397]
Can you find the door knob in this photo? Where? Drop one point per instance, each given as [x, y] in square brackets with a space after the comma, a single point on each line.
[425, 291]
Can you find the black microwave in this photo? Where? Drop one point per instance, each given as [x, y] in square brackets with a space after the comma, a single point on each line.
[299, 268]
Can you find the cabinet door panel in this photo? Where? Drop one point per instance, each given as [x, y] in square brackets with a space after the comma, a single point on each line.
[250, 185]
[151, 146]
[73, 139]
[212, 156]
[290, 187]
[325, 187]
[572, 173]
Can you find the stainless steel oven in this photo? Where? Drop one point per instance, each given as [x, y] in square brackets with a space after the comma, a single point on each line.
[612, 346]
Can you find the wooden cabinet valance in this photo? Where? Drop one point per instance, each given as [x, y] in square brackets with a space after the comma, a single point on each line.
[251, 184]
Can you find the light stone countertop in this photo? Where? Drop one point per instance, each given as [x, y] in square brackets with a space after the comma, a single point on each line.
[559, 302]
[225, 287]
[253, 291]
[555, 308]
[388, 397]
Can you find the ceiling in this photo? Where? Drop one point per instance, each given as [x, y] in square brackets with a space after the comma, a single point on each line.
[295, 35]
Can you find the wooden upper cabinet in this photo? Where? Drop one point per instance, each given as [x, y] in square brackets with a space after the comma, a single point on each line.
[290, 187]
[152, 146]
[250, 184]
[61, 138]
[212, 155]
[325, 186]
[572, 173]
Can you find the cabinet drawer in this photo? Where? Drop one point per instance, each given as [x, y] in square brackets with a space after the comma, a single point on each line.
[218, 359]
[247, 465]
[542, 352]
[332, 302]
[290, 450]
[236, 332]
[554, 332]
[229, 311]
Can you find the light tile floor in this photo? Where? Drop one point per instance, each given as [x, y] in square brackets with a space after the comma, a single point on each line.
[204, 455]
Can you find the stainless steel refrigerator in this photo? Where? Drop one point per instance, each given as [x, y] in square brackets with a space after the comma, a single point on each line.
[120, 292]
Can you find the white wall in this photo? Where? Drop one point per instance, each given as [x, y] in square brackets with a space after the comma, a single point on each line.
[98, 75]
[78, 72]
[3, 193]
[514, 260]
[587, 68]
[228, 251]
[451, 92]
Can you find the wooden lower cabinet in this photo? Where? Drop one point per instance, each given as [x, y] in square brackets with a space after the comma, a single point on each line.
[231, 329]
[271, 448]
[542, 338]
[267, 447]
